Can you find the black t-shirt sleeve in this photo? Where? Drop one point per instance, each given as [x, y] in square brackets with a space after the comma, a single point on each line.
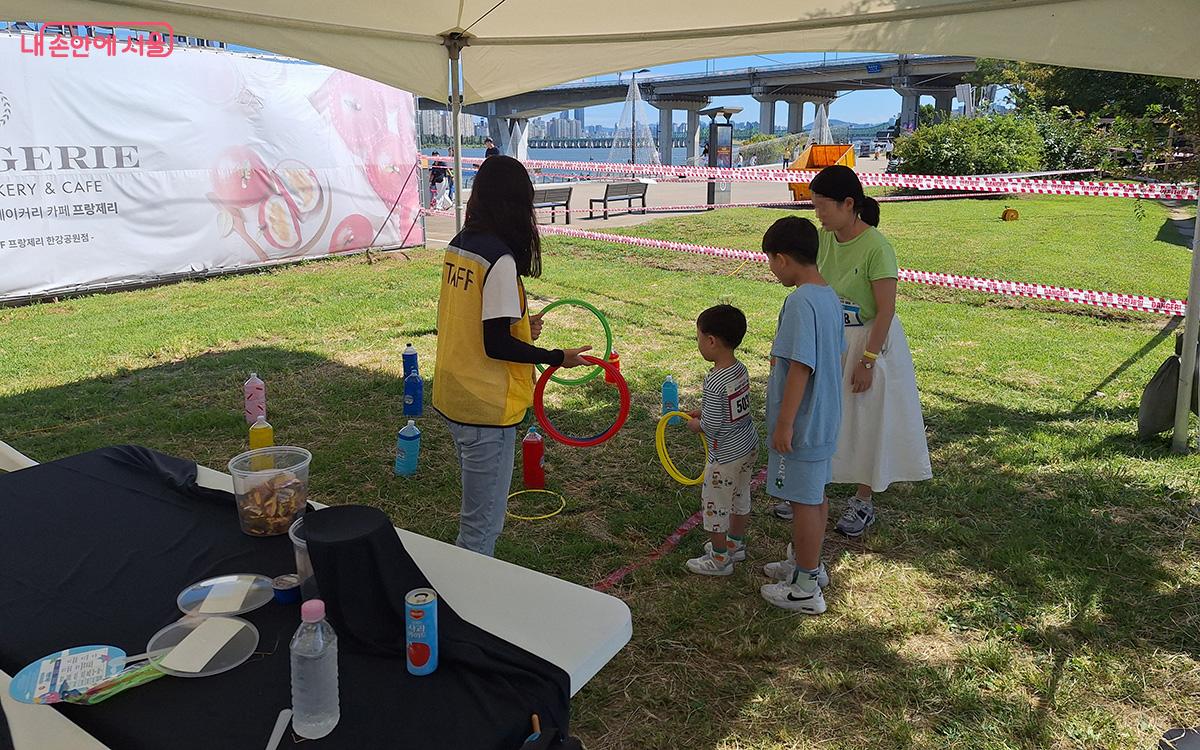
[499, 343]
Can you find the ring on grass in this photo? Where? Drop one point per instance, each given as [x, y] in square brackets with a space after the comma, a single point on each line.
[660, 443]
[608, 342]
[561, 504]
[539, 408]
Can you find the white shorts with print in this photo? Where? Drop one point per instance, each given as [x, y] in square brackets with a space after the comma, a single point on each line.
[726, 490]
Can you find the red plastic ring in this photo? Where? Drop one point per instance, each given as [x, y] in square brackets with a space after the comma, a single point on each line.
[539, 409]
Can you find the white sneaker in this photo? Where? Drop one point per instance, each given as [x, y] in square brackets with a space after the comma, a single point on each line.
[737, 553]
[792, 597]
[708, 565]
[782, 570]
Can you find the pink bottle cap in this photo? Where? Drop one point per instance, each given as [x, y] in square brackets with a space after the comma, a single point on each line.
[312, 610]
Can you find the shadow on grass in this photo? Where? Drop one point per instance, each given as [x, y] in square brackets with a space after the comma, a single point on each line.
[1034, 503]
[1170, 232]
[1053, 548]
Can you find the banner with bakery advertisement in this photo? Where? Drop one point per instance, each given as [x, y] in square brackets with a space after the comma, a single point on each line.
[126, 168]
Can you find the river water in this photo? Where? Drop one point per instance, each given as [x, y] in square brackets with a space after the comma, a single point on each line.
[563, 154]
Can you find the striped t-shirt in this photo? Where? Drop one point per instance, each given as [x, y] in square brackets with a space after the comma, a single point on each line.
[725, 414]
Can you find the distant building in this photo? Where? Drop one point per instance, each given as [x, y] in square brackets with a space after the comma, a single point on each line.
[579, 116]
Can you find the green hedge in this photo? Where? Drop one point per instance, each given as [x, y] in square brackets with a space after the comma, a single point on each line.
[980, 145]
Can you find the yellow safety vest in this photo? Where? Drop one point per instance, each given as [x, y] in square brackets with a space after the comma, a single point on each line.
[469, 386]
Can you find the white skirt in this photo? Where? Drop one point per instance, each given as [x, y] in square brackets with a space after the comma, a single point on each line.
[882, 439]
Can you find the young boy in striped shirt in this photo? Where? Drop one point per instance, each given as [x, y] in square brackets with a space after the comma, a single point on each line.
[724, 418]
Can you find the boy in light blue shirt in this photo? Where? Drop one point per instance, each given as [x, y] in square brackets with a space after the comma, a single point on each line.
[804, 411]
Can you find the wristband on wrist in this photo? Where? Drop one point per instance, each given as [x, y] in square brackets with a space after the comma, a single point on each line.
[871, 355]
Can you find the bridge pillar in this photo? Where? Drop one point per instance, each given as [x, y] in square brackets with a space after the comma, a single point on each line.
[693, 136]
[909, 104]
[796, 115]
[511, 135]
[766, 116]
[666, 143]
[943, 102]
[666, 109]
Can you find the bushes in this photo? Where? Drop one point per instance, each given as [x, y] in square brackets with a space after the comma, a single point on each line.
[981, 145]
[1071, 142]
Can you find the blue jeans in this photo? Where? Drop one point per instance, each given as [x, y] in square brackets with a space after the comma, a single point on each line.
[485, 455]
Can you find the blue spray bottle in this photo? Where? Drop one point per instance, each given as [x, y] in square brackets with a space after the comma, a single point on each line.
[408, 450]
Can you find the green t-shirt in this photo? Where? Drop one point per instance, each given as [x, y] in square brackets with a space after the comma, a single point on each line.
[850, 267]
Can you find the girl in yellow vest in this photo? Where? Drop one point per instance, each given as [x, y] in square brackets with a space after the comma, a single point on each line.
[484, 374]
[882, 438]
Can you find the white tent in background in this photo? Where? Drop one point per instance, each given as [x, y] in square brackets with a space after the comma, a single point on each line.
[511, 47]
[821, 132]
[632, 140]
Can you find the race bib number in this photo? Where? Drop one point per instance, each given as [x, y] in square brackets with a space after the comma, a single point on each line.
[739, 400]
[851, 314]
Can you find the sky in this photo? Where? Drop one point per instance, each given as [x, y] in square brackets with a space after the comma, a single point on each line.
[854, 106]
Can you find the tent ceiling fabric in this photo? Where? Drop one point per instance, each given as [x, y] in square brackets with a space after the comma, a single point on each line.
[521, 45]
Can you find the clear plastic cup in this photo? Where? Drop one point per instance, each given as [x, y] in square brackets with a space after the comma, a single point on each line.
[304, 568]
[271, 487]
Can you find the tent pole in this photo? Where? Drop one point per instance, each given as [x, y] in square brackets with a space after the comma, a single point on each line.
[1187, 369]
[455, 113]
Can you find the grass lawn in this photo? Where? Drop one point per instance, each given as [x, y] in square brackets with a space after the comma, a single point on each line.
[1041, 591]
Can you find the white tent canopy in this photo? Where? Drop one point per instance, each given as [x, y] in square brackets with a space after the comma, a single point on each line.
[520, 45]
[512, 46]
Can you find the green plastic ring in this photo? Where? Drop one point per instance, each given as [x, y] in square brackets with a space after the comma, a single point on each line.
[607, 340]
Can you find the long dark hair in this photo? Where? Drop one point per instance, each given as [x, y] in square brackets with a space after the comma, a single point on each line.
[839, 183]
[795, 237]
[501, 203]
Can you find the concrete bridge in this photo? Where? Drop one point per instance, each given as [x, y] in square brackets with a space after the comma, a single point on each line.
[797, 84]
[590, 142]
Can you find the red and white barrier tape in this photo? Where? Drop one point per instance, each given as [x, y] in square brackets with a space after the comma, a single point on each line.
[762, 204]
[668, 544]
[1111, 300]
[676, 536]
[1002, 184]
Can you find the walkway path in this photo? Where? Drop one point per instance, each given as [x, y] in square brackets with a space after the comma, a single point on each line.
[440, 229]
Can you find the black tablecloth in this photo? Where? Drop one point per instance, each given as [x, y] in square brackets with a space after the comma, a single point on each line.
[95, 548]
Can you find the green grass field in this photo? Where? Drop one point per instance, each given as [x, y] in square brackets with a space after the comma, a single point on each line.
[1041, 591]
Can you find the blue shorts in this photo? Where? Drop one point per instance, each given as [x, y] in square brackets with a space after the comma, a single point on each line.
[802, 481]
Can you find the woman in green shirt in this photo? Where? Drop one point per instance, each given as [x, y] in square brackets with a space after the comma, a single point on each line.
[882, 439]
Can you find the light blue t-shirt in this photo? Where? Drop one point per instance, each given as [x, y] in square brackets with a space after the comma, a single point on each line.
[810, 332]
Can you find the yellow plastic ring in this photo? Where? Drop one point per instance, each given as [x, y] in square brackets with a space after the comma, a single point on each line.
[660, 443]
[562, 504]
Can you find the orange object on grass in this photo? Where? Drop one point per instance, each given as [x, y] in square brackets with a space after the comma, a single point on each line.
[816, 157]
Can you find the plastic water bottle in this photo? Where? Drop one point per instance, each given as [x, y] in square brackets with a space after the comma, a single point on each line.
[409, 360]
[408, 449]
[533, 459]
[315, 708]
[255, 396]
[414, 394]
[670, 398]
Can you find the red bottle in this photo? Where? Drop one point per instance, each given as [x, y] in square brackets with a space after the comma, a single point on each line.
[533, 459]
[615, 359]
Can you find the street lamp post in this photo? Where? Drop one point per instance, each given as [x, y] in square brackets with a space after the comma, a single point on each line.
[633, 129]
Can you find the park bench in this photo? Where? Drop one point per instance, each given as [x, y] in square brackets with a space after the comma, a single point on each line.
[553, 198]
[620, 191]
